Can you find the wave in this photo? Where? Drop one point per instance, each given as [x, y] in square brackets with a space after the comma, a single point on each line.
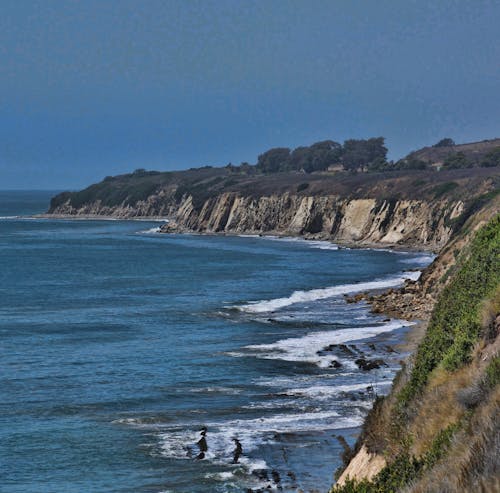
[323, 293]
[252, 433]
[421, 260]
[150, 231]
[324, 392]
[321, 244]
[305, 349]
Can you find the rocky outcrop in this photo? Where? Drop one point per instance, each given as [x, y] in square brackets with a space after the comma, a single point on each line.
[364, 465]
[363, 221]
[359, 221]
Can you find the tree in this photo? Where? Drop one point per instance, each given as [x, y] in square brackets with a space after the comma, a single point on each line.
[446, 142]
[410, 162]
[274, 160]
[361, 154]
[324, 154]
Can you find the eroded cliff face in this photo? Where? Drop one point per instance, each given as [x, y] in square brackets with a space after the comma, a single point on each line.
[358, 221]
[362, 221]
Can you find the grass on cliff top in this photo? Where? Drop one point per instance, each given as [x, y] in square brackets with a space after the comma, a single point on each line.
[455, 325]
[204, 183]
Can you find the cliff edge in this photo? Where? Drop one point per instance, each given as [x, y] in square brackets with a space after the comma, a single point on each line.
[438, 429]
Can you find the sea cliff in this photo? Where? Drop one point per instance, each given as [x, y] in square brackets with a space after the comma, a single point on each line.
[438, 428]
[412, 209]
[362, 221]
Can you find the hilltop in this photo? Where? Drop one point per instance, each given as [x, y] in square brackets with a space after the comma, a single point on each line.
[357, 169]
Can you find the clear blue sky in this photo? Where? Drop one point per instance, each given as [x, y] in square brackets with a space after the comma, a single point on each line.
[93, 88]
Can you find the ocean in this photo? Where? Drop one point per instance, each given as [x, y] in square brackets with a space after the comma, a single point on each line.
[132, 361]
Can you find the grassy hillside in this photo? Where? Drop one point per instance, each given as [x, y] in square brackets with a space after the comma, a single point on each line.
[439, 430]
[202, 183]
[475, 153]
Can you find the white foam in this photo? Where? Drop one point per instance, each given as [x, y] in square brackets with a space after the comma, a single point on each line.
[322, 245]
[324, 293]
[323, 392]
[220, 476]
[151, 231]
[175, 443]
[421, 260]
[216, 390]
[305, 349]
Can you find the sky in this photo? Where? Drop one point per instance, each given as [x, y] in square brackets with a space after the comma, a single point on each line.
[90, 88]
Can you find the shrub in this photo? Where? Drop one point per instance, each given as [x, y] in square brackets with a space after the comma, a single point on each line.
[457, 160]
[455, 324]
[446, 142]
[444, 188]
[491, 159]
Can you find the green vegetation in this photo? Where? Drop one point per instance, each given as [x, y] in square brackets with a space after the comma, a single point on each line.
[410, 162]
[364, 154]
[459, 403]
[114, 191]
[403, 469]
[354, 155]
[446, 142]
[455, 325]
[457, 160]
[444, 188]
[491, 159]
[492, 375]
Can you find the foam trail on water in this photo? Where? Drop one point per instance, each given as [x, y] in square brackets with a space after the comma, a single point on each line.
[306, 348]
[323, 293]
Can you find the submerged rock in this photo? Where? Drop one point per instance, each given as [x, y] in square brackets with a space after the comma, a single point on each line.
[369, 364]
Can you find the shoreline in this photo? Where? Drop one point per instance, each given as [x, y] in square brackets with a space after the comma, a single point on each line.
[395, 247]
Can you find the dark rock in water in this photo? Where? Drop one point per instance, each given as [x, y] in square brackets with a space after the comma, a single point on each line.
[390, 349]
[346, 349]
[291, 475]
[326, 349]
[386, 320]
[276, 478]
[261, 474]
[335, 364]
[369, 364]
[372, 347]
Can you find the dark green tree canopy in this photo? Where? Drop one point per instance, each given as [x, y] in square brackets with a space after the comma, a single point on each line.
[274, 160]
[446, 142]
[316, 157]
[364, 154]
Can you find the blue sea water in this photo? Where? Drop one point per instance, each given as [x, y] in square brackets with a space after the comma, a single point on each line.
[119, 344]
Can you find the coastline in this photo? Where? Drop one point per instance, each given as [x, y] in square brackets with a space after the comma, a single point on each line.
[409, 338]
[396, 247]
